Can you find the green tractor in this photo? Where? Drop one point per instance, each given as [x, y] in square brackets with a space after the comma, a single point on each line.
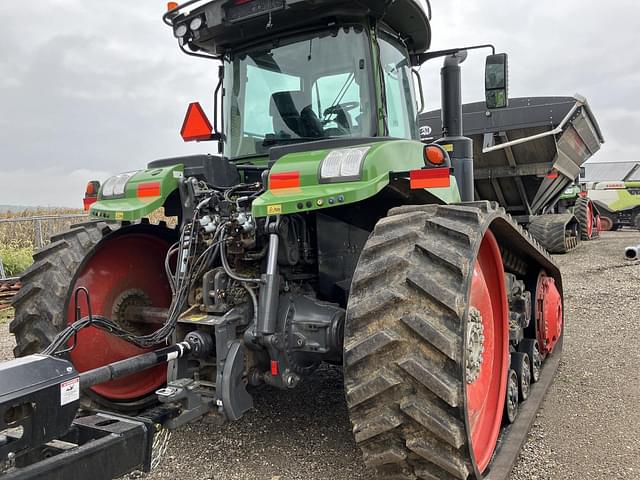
[618, 203]
[322, 231]
[578, 202]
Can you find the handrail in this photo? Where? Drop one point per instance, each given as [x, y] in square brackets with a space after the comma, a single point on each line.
[580, 101]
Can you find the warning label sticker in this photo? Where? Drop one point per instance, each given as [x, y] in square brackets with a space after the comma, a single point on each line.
[69, 391]
[274, 209]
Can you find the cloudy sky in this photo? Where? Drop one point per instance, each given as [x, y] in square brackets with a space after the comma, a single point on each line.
[89, 88]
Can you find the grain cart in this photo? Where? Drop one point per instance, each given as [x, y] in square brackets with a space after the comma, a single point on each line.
[323, 231]
[526, 156]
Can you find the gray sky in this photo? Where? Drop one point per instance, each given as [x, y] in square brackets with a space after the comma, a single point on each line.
[89, 88]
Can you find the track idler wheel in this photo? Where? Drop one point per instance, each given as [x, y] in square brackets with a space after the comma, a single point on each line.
[549, 316]
[606, 224]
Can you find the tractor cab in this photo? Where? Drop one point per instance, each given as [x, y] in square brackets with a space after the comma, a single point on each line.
[299, 71]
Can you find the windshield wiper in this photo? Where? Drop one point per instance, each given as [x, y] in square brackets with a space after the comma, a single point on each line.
[274, 141]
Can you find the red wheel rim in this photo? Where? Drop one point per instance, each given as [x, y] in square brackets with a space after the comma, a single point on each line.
[606, 223]
[589, 219]
[121, 263]
[485, 397]
[598, 223]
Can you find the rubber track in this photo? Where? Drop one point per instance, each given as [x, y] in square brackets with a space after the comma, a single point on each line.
[550, 231]
[41, 304]
[404, 335]
[582, 215]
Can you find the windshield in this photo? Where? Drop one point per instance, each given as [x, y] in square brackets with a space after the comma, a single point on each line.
[312, 89]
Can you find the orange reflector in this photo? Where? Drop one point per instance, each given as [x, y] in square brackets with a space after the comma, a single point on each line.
[172, 6]
[552, 175]
[92, 189]
[430, 178]
[434, 155]
[284, 180]
[151, 189]
[196, 126]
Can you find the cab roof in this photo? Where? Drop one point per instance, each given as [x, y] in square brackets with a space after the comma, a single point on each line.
[218, 26]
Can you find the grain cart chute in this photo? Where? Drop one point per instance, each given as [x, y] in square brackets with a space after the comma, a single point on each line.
[325, 231]
[526, 156]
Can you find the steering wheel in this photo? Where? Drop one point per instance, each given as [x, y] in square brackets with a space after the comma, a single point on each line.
[341, 107]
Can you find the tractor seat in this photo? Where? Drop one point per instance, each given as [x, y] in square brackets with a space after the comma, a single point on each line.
[291, 117]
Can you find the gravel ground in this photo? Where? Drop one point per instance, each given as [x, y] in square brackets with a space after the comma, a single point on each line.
[588, 426]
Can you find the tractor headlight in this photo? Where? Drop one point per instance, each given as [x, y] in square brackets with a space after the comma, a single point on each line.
[343, 165]
[115, 186]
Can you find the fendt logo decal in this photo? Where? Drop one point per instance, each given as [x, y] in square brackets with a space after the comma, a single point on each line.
[425, 131]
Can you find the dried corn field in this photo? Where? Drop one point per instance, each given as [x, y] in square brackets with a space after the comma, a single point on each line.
[24, 234]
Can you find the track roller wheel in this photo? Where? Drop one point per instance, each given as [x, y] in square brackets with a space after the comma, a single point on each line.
[121, 266]
[511, 403]
[520, 363]
[585, 215]
[426, 343]
[530, 347]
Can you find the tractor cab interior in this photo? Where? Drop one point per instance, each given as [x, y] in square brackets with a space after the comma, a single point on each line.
[315, 86]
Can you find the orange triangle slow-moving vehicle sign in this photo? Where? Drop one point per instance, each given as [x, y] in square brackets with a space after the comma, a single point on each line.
[196, 126]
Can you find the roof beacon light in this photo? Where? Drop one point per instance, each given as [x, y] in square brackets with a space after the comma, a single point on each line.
[196, 126]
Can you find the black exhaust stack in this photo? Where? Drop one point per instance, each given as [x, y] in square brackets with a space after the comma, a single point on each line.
[460, 148]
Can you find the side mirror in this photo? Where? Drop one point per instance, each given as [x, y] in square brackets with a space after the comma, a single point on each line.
[496, 81]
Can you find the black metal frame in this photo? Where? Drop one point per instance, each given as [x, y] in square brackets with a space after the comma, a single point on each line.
[100, 446]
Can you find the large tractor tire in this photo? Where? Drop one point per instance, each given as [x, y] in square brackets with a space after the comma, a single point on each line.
[586, 218]
[120, 265]
[426, 343]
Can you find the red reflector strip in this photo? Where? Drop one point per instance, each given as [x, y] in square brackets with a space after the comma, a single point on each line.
[149, 190]
[284, 180]
[552, 175]
[88, 201]
[274, 368]
[430, 178]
